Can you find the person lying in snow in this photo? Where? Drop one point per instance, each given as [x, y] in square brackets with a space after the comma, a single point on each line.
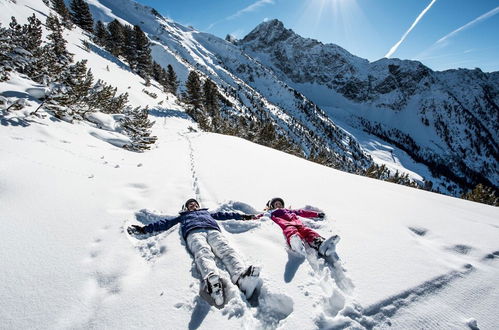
[204, 240]
[295, 231]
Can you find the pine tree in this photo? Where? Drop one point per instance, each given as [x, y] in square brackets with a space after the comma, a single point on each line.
[129, 50]
[193, 89]
[137, 125]
[33, 33]
[70, 96]
[116, 41]
[101, 35]
[5, 48]
[60, 7]
[33, 42]
[482, 194]
[171, 78]
[103, 98]
[55, 53]
[81, 16]
[210, 98]
[24, 41]
[143, 53]
[160, 75]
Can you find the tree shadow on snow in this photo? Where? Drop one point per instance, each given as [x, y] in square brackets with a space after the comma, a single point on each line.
[13, 121]
[108, 56]
[169, 113]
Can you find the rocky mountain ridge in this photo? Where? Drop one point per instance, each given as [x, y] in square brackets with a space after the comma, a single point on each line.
[454, 115]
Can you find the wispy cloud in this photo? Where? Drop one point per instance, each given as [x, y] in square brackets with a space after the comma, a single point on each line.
[468, 25]
[420, 16]
[251, 8]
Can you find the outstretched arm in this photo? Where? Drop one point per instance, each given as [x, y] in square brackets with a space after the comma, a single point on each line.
[161, 225]
[309, 214]
[232, 215]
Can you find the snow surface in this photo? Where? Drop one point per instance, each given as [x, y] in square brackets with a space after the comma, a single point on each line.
[412, 259]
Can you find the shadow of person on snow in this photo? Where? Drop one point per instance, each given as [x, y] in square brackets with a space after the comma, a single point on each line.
[294, 262]
[199, 313]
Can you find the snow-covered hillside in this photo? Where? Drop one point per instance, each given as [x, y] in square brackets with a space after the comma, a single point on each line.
[251, 88]
[411, 259]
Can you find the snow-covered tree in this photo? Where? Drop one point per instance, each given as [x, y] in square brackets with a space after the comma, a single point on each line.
[81, 16]
[55, 54]
[33, 34]
[104, 99]
[482, 194]
[137, 126]
[60, 7]
[70, 94]
[5, 49]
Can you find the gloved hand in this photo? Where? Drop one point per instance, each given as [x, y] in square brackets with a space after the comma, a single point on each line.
[321, 215]
[135, 230]
[248, 216]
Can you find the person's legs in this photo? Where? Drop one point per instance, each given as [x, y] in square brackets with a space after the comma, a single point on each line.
[231, 259]
[289, 231]
[308, 234]
[204, 258]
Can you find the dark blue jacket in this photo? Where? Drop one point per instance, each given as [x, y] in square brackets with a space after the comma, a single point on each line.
[190, 220]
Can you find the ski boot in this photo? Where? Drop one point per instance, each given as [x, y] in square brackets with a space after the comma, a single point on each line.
[249, 281]
[325, 247]
[214, 287]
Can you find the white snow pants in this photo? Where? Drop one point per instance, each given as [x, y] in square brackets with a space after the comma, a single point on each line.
[204, 244]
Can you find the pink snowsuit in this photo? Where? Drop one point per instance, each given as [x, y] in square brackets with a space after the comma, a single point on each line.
[290, 223]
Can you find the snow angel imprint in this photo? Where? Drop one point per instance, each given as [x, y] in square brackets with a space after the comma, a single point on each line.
[205, 241]
[295, 231]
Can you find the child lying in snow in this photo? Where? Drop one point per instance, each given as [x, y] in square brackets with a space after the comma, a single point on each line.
[205, 241]
[295, 231]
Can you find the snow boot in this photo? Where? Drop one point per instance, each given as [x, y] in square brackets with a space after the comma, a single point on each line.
[249, 281]
[326, 247]
[214, 287]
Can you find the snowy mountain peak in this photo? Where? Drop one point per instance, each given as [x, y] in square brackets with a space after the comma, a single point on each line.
[430, 115]
[269, 31]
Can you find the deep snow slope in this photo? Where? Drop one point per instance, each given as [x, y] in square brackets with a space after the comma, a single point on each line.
[410, 257]
[67, 192]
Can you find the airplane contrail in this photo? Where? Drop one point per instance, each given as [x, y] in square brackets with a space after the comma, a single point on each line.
[469, 24]
[420, 16]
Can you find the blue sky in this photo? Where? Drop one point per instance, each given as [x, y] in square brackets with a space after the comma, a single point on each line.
[443, 34]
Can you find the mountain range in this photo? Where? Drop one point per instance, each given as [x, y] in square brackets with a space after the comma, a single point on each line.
[322, 97]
